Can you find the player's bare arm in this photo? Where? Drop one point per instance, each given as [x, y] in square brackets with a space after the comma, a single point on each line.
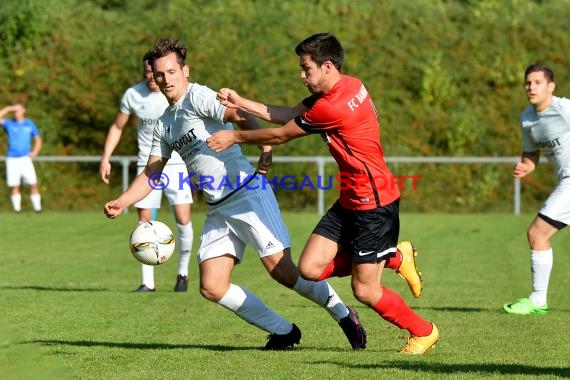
[111, 142]
[222, 140]
[273, 114]
[248, 122]
[528, 163]
[139, 188]
[37, 146]
[4, 111]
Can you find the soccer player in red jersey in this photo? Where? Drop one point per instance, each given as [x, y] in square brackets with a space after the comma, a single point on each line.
[358, 235]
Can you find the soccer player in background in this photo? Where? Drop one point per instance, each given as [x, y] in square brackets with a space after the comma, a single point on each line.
[545, 124]
[145, 101]
[358, 235]
[241, 210]
[20, 132]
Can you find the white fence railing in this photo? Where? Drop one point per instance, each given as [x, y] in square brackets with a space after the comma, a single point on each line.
[320, 162]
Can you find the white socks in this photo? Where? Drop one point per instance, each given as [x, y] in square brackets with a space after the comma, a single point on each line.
[541, 266]
[36, 202]
[184, 240]
[251, 309]
[16, 202]
[148, 275]
[323, 295]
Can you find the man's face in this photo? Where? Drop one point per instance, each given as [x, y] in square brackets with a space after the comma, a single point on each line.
[19, 111]
[538, 90]
[311, 74]
[149, 78]
[170, 77]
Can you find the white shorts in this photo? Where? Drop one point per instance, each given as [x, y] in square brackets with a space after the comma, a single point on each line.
[20, 169]
[557, 206]
[171, 190]
[246, 217]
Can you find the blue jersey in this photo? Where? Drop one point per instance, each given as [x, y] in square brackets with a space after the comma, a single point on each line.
[20, 135]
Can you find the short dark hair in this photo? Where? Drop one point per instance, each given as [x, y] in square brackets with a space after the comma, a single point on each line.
[165, 46]
[322, 47]
[537, 67]
[146, 58]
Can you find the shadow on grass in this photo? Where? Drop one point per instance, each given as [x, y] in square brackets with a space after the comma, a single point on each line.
[54, 289]
[141, 346]
[457, 369]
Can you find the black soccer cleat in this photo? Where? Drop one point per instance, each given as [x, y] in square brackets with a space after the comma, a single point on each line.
[281, 342]
[181, 283]
[143, 289]
[353, 330]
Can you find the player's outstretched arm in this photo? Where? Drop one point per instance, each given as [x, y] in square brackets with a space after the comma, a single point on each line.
[271, 113]
[222, 140]
[141, 186]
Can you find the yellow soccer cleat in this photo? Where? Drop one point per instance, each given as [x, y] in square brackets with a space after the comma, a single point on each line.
[408, 270]
[418, 345]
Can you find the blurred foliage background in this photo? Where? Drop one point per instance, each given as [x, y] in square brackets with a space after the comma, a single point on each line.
[446, 76]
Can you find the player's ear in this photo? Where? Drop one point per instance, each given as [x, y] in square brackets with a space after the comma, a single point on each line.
[551, 86]
[186, 71]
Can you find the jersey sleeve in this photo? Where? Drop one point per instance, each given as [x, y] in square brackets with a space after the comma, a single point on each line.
[565, 109]
[321, 117]
[528, 144]
[206, 105]
[160, 147]
[125, 104]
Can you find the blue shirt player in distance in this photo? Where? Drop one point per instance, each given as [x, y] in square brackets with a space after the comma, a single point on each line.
[21, 131]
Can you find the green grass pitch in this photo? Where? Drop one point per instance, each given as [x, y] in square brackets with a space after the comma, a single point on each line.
[67, 310]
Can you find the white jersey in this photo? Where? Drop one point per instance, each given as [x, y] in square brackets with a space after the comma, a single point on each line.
[549, 130]
[147, 106]
[184, 128]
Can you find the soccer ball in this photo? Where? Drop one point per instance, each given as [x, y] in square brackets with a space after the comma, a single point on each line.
[152, 243]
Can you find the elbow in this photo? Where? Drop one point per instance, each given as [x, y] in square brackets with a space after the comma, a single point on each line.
[281, 140]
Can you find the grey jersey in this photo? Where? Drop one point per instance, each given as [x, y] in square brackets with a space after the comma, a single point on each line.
[147, 106]
[184, 128]
[549, 130]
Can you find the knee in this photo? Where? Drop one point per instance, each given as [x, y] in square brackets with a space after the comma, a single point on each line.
[309, 272]
[359, 294]
[536, 239]
[207, 294]
[212, 293]
[366, 295]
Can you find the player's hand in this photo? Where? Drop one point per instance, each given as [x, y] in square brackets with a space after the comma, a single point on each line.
[105, 171]
[16, 108]
[112, 209]
[221, 140]
[521, 169]
[265, 159]
[228, 98]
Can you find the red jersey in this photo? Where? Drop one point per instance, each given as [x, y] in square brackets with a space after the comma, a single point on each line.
[348, 122]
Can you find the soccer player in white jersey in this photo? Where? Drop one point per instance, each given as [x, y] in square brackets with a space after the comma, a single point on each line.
[242, 210]
[545, 126]
[147, 103]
